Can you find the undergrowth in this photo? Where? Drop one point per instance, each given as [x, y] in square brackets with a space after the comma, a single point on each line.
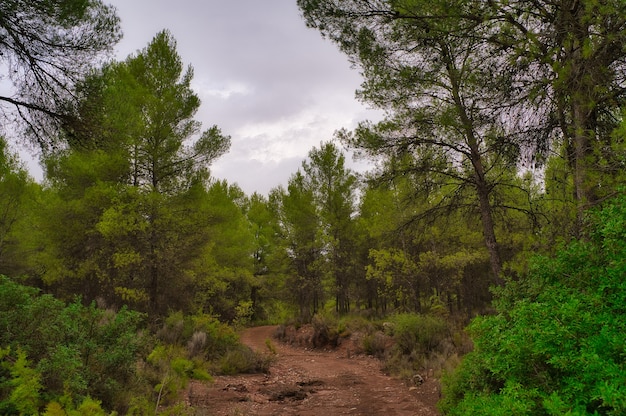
[410, 345]
[72, 359]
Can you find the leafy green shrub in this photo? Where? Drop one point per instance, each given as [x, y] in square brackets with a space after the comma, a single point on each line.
[556, 345]
[418, 333]
[54, 409]
[324, 331]
[24, 385]
[77, 350]
[27, 319]
[202, 334]
[97, 353]
[173, 329]
[244, 360]
[169, 372]
[220, 337]
[356, 323]
[420, 343]
[243, 313]
[88, 407]
[376, 344]
[271, 347]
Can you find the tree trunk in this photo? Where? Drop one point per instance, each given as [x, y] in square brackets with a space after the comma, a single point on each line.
[583, 162]
[581, 91]
[489, 231]
[480, 183]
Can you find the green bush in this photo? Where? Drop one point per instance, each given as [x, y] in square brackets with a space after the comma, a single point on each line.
[75, 350]
[415, 333]
[356, 323]
[375, 344]
[27, 319]
[244, 360]
[220, 337]
[556, 345]
[24, 385]
[169, 372]
[325, 330]
[203, 335]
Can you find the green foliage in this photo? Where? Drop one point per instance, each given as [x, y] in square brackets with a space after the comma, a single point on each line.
[301, 247]
[97, 354]
[556, 345]
[203, 335]
[75, 350]
[24, 384]
[224, 268]
[54, 409]
[19, 197]
[193, 347]
[88, 407]
[244, 360]
[316, 215]
[270, 346]
[394, 272]
[418, 333]
[220, 337]
[130, 216]
[325, 330]
[421, 343]
[170, 373]
[243, 314]
[376, 344]
[419, 256]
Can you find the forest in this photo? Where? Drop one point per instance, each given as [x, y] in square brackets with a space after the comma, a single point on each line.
[495, 211]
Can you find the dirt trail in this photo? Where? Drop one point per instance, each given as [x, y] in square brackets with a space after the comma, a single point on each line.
[309, 382]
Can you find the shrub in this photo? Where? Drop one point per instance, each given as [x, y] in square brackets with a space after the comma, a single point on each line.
[270, 346]
[168, 371]
[220, 337]
[203, 335]
[376, 344]
[418, 333]
[556, 345]
[196, 344]
[172, 331]
[27, 318]
[244, 360]
[420, 342]
[88, 407]
[77, 350]
[54, 409]
[356, 323]
[324, 331]
[24, 384]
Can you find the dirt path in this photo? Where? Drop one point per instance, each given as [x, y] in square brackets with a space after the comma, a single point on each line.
[312, 382]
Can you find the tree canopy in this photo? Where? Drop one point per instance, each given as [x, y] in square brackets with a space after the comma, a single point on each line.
[46, 47]
[510, 79]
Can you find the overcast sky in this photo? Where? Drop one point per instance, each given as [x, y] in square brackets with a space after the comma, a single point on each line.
[275, 86]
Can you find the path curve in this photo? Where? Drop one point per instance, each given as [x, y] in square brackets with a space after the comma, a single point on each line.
[309, 382]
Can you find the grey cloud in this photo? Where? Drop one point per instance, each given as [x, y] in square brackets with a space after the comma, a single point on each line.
[257, 66]
[255, 176]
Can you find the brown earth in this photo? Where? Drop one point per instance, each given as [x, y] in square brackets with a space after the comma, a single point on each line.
[306, 382]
